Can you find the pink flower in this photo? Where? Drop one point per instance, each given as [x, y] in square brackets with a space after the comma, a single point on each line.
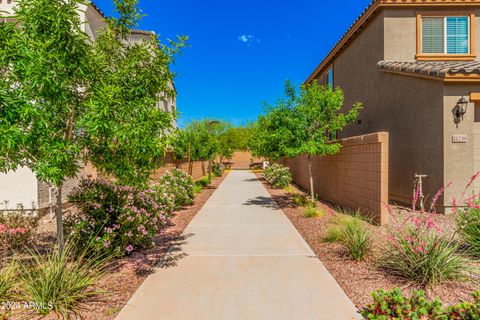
[106, 243]
[438, 195]
[17, 231]
[415, 199]
[129, 248]
[3, 228]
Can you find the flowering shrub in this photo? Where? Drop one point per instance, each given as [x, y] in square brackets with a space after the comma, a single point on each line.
[179, 186]
[420, 251]
[17, 227]
[394, 305]
[422, 254]
[120, 218]
[278, 176]
[217, 169]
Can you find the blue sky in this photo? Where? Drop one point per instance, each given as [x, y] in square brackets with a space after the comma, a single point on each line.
[241, 52]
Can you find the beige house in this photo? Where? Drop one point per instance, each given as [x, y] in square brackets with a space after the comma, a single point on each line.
[416, 67]
[22, 186]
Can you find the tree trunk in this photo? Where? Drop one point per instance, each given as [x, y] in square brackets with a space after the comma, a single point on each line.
[312, 193]
[58, 216]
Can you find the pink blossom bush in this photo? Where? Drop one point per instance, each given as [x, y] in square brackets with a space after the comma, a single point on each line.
[17, 227]
[420, 251]
[179, 186]
[116, 218]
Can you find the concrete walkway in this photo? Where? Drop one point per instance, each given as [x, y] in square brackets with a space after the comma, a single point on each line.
[241, 259]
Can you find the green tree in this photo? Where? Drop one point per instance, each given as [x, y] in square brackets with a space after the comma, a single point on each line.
[304, 123]
[319, 111]
[65, 100]
[277, 129]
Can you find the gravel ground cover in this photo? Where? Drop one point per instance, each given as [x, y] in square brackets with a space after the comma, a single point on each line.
[360, 279]
[128, 273]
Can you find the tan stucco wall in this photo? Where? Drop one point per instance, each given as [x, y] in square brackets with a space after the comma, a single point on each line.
[95, 22]
[356, 178]
[410, 109]
[243, 160]
[462, 160]
[401, 30]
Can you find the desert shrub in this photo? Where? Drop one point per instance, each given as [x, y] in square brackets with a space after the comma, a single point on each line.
[179, 185]
[357, 239]
[469, 228]
[8, 280]
[217, 169]
[60, 281]
[18, 227]
[203, 182]
[301, 200]
[388, 305]
[352, 233]
[121, 218]
[334, 231]
[421, 253]
[278, 176]
[313, 212]
[393, 305]
[468, 310]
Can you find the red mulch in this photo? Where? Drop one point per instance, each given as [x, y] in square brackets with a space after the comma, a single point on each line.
[360, 279]
[127, 274]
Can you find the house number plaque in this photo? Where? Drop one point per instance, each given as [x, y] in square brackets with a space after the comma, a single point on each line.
[459, 139]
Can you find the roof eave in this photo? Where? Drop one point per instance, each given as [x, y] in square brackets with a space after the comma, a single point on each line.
[449, 78]
[366, 16]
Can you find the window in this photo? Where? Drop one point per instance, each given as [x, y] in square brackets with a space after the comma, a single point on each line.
[445, 36]
[329, 77]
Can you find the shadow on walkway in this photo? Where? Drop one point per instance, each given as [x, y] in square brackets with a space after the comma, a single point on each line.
[261, 201]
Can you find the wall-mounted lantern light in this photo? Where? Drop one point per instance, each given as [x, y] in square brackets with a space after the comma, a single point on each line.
[461, 108]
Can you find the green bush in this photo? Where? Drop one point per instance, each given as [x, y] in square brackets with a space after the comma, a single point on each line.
[179, 186]
[469, 227]
[424, 256]
[278, 176]
[465, 310]
[301, 200]
[60, 281]
[389, 305]
[217, 169]
[357, 239]
[334, 231]
[203, 182]
[121, 218]
[352, 233]
[313, 212]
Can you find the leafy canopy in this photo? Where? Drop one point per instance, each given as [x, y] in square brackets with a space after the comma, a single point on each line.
[65, 100]
[302, 123]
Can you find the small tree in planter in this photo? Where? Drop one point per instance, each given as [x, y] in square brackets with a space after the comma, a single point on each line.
[318, 111]
[303, 124]
[65, 100]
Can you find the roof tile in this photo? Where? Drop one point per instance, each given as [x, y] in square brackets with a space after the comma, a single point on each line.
[438, 69]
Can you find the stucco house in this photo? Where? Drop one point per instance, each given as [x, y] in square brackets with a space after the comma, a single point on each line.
[416, 67]
[22, 186]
